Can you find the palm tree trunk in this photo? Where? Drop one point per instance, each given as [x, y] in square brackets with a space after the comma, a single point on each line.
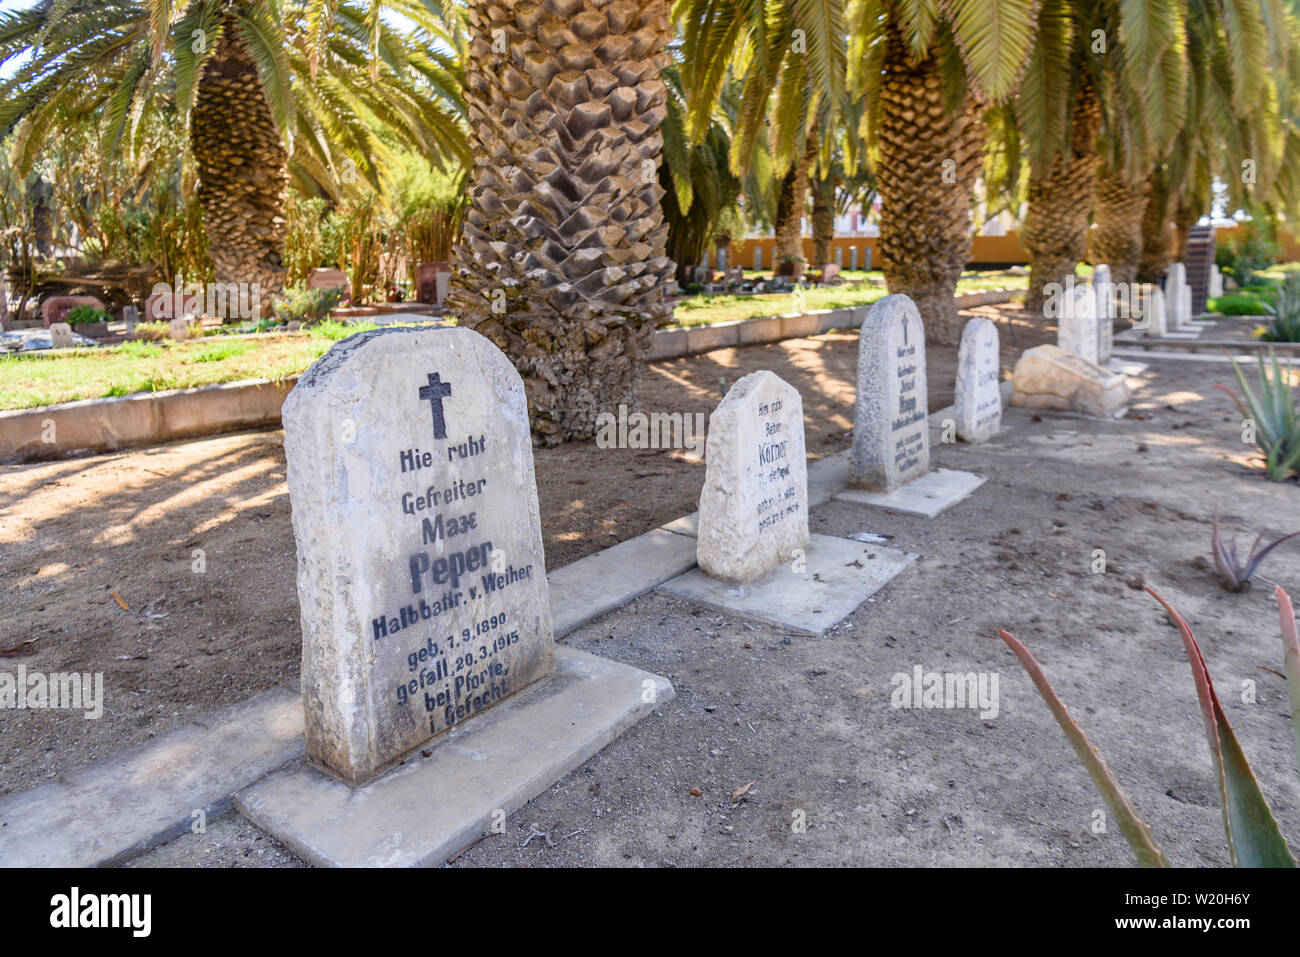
[1157, 237]
[791, 201]
[823, 220]
[242, 169]
[562, 262]
[1185, 217]
[1055, 230]
[1118, 208]
[929, 159]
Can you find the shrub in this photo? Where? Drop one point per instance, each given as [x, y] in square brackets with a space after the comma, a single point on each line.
[85, 315]
[151, 331]
[301, 304]
[1238, 304]
[1285, 310]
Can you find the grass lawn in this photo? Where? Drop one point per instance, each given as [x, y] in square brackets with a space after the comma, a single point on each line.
[34, 379]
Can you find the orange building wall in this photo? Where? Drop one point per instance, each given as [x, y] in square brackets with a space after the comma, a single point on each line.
[984, 251]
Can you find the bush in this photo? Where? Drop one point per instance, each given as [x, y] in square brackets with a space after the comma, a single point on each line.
[1247, 256]
[301, 304]
[85, 315]
[1239, 304]
[151, 331]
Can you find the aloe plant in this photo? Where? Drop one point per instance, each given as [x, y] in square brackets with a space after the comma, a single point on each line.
[1273, 412]
[1285, 310]
[1235, 572]
[1254, 838]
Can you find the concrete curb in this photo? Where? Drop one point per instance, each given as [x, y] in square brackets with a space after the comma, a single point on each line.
[146, 418]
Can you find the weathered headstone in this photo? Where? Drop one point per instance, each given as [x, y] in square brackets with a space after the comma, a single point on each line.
[1076, 330]
[1104, 310]
[1216, 282]
[1156, 315]
[1048, 377]
[1175, 283]
[754, 505]
[853, 257]
[328, 278]
[55, 308]
[891, 434]
[839, 256]
[1186, 310]
[421, 575]
[131, 316]
[182, 328]
[722, 259]
[978, 402]
[758, 257]
[61, 335]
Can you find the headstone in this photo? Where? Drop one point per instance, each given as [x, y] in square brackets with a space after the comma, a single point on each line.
[1104, 311]
[1156, 315]
[61, 335]
[839, 257]
[853, 257]
[421, 576]
[1186, 310]
[1216, 282]
[891, 434]
[754, 505]
[722, 259]
[1175, 282]
[328, 278]
[1048, 377]
[830, 273]
[866, 257]
[131, 316]
[978, 403]
[182, 328]
[758, 257]
[1076, 330]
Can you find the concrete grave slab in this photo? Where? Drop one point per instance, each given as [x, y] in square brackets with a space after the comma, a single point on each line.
[588, 588]
[928, 495]
[423, 811]
[114, 809]
[837, 576]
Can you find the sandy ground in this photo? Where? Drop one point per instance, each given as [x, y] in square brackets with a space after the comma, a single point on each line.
[809, 721]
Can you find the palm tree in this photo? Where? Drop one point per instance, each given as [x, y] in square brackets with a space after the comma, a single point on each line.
[269, 91]
[562, 262]
[922, 72]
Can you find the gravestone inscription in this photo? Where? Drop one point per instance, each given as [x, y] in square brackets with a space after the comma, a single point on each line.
[1076, 330]
[754, 504]
[891, 434]
[421, 575]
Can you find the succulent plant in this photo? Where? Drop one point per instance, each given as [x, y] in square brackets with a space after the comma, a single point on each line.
[1273, 413]
[1254, 838]
[1236, 572]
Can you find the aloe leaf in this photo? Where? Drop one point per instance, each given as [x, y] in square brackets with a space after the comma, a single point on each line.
[1254, 838]
[1257, 558]
[1133, 828]
[1291, 655]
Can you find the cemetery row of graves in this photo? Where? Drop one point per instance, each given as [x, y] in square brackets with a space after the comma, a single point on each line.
[441, 653]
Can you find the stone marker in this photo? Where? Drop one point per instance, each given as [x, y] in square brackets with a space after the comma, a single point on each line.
[1047, 377]
[1076, 330]
[754, 505]
[421, 576]
[328, 278]
[891, 434]
[1216, 282]
[181, 328]
[1175, 282]
[1156, 315]
[1186, 310]
[978, 402]
[131, 316]
[55, 308]
[1104, 310]
[61, 335]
